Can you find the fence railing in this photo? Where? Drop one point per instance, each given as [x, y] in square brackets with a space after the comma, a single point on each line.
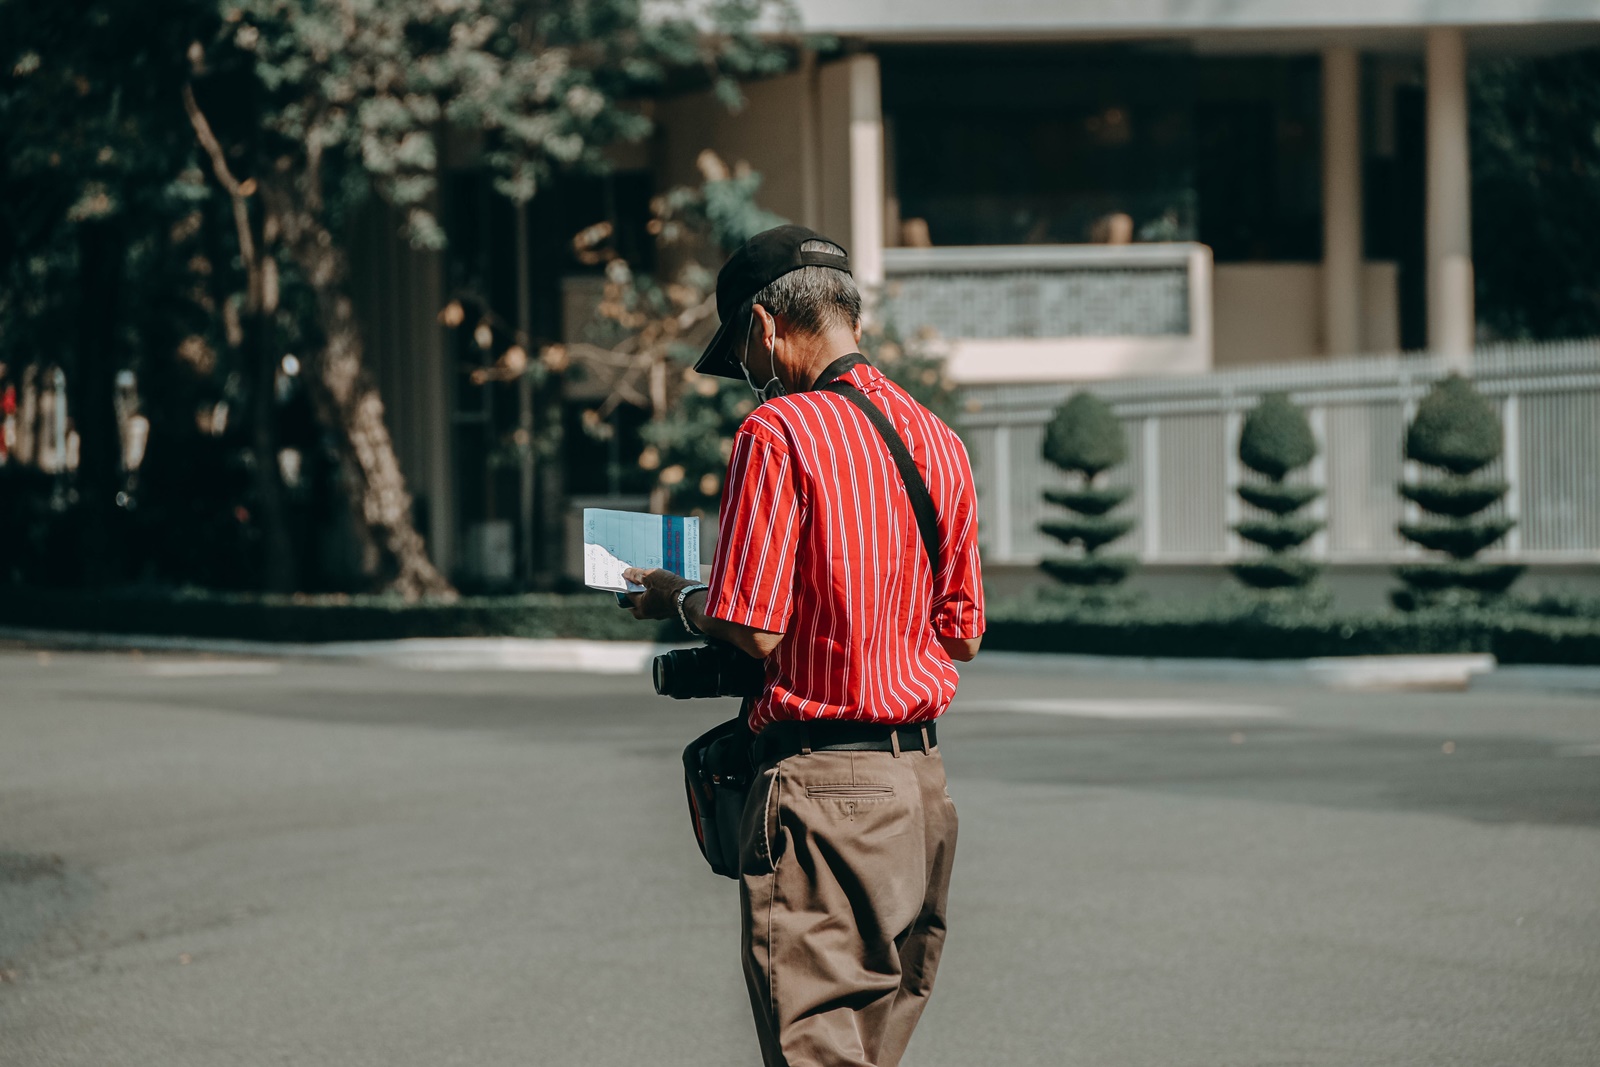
[1183, 438]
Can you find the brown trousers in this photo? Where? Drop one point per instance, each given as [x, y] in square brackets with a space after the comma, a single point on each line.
[845, 861]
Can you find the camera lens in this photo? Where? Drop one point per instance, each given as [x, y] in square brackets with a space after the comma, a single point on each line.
[709, 671]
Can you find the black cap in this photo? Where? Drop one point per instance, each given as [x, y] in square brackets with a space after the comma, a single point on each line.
[759, 262]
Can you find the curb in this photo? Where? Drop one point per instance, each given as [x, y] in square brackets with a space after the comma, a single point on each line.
[416, 653]
[1348, 673]
[1352, 673]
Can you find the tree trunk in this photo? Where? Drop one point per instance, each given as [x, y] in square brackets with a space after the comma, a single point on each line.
[348, 401]
[260, 356]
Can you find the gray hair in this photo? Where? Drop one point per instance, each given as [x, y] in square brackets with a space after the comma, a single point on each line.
[814, 298]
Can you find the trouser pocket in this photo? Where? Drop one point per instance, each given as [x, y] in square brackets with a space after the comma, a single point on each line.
[847, 790]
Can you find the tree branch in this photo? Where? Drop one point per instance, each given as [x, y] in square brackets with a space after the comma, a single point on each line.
[239, 192]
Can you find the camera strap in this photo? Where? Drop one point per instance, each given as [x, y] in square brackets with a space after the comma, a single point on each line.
[916, 488]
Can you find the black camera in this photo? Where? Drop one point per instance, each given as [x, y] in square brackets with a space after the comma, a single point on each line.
[716, 669]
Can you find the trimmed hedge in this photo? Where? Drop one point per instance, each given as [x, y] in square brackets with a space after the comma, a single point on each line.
[1276, 570]
[1455, 428]
[1278, 534]
[1089, 501]
[1277, 498]
[1455, 497]
[1244, 633]
[1276, 438]
[1457, 538]
[1087, 623]
[1091, 531]
[1089, 571]
[318, 619]
[1085, 435]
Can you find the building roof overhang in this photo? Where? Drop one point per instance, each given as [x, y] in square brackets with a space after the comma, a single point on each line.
[1214, 25]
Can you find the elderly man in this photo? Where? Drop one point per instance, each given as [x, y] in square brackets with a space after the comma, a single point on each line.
[823, 571]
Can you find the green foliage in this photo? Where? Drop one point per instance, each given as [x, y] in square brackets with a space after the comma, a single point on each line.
[1085, 436]
[1277, 497]
[1287, 626]
[363, 88]
[1090, 531]
[1457, 539]
[1091, 570]
[1278, 534]
[1276, 571]
[1561, 605]
[1088, 622]
[1089, 501]
[95, 144]
[1455, 497]
[1535, 126]
[1455, 428]
[1491, 578]
[1276, 438]
[691, 439]
[315, 619]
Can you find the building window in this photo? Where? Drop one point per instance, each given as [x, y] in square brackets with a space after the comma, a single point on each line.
[1040, 145]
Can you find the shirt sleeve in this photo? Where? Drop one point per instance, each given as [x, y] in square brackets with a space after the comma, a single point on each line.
[958, 588]
[758, 529]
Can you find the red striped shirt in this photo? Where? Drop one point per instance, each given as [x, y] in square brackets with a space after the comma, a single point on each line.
[817, 540]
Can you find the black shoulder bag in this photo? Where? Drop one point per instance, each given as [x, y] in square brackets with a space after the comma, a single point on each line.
[717, 769]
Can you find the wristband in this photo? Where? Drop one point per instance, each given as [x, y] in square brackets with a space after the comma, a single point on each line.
[683, 616]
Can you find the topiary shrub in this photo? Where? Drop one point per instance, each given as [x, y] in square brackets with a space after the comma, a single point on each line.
[1275, 440]
[1086, 438]
[1457, 432]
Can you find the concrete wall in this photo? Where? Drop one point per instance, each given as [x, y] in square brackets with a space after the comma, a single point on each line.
[1272, 312]
[765, 133]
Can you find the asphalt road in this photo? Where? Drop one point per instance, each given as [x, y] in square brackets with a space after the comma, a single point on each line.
[212, 863]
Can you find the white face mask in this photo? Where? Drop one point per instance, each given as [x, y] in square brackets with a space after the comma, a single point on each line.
[774, 388]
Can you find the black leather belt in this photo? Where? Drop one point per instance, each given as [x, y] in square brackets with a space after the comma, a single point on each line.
[783, 739]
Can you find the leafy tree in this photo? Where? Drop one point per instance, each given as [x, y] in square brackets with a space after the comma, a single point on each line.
[106, 265]
[1086, 438]
[297, 111]
[1535, 125]
[1457, 432]
[1276, 439]
[653, 329]
[347, 96]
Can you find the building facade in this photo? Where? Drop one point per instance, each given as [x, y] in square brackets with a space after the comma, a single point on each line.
[1056, 192]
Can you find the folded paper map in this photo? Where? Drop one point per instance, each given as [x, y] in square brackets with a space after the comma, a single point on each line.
[613, 540]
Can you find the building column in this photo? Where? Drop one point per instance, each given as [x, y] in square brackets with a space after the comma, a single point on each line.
[1341, 201]
[850, 125]
[866, 170]
[810, 135]
[1451, 322]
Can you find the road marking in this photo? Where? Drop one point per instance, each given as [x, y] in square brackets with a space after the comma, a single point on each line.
[210, 668]
[1125, 709]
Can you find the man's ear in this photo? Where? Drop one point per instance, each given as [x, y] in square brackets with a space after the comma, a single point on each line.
[767, 324]
[858, 333]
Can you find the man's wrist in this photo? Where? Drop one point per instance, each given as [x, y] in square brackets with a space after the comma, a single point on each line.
[680, 601]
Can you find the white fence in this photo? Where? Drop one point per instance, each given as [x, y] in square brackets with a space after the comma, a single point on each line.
[1183, 438]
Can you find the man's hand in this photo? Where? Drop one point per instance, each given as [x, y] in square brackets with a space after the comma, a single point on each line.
[659, 599]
